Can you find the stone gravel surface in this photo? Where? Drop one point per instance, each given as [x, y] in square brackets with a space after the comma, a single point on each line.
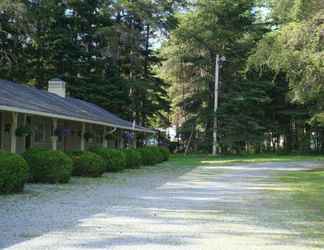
[230, 207]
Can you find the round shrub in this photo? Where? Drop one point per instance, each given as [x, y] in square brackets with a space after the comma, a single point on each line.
[150, 155]
[159, 157]
[13, 173]
[87, 164]
[146, 156]
[47, 166]
[115, 160]
[133, 158]
[165, 153]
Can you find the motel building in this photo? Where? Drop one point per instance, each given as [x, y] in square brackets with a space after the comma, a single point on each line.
[33, 118]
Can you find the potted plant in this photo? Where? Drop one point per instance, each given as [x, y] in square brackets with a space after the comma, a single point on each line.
[23, 131]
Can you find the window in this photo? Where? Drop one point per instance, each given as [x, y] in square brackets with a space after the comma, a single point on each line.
[42, 130]
[97, 134]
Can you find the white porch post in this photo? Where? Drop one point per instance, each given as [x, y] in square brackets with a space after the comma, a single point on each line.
[13, 132]
[54, 138]
[83, 130]
[105, 141]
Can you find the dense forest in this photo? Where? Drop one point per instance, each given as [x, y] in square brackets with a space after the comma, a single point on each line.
[101, 48]
[271, 91]
[153, 61]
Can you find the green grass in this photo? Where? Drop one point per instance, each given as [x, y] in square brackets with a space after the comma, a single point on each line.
[221, 160]
[300, 194]
[304, 193]
[307, 189]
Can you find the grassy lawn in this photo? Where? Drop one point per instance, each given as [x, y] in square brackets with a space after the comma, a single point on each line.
[307, 190]
[299, 194]
[180, 159]
[306, 187]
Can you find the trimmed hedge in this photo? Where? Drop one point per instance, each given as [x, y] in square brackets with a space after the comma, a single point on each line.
[151, 155]
[146, 156]
[13, 173]
[133, 158]
[165, 153]
[47, 166]
[115, 160]
[87, 164]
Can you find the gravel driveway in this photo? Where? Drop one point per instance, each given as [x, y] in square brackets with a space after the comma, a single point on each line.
[165, 207]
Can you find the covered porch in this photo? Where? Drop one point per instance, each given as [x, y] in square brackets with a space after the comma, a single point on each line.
[34, 118]
[20, 131]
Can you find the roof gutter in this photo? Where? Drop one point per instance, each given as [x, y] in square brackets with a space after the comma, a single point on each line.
[64, 117]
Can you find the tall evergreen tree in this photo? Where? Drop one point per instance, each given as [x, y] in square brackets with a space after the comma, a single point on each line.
[216, 27]
[101, 48]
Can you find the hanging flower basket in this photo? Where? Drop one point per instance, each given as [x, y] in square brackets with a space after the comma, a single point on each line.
[23, 131]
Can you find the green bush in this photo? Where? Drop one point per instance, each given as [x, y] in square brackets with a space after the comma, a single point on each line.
[13, 173]
[47, 166]
[133, 158]
[165, 153]
[159, 154]
[151, 155]
[87, 164]
[146, 156]
[115, 160]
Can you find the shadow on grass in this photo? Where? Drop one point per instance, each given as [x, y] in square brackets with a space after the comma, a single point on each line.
[232, 159]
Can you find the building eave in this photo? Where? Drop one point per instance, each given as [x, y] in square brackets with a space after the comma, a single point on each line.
[64, 117]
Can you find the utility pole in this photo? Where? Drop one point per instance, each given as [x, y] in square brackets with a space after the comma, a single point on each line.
[216, 105]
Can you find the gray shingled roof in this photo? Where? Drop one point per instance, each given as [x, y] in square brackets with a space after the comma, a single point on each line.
[25, 99]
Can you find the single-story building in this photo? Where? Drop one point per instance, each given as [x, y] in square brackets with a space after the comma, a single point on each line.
[30, 117]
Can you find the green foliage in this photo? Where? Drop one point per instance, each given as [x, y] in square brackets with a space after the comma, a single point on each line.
[87, 164]
[133, 158]
[102, 49]
[203, 159]
[165, 152]
[23, 131]
[283, 11]
[291, 55]
[48, 166]
[13, 173]
[297, 51]
[151, 155]
[115, 160]
[147, 156]
[306, 190]
[211, 28]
